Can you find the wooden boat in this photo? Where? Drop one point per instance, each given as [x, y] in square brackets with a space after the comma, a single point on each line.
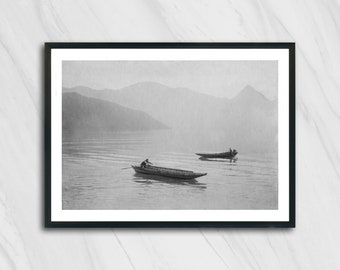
[167, 172]
[227, 155]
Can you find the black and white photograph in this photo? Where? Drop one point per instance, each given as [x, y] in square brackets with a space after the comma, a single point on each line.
[180, 133]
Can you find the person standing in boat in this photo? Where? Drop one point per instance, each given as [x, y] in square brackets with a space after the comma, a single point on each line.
[145, 163]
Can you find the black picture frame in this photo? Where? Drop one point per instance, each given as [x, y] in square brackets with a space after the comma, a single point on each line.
[49, 223]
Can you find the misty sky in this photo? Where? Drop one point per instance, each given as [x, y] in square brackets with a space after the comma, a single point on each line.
[217, 78]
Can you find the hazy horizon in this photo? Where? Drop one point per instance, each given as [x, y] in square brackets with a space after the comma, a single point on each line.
[223, 79]
[247, 121]
[65, 88]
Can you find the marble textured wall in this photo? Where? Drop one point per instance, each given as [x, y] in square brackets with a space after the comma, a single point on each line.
[313, 25]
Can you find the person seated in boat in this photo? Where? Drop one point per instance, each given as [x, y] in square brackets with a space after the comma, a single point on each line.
[145, 163]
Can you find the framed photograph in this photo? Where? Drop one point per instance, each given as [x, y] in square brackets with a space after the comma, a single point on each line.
[170, 135]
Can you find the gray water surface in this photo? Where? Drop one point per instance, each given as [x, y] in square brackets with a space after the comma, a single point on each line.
[97, 174]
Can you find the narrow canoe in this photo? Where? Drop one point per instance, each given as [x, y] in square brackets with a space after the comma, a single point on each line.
[228, 155]
[167, 172]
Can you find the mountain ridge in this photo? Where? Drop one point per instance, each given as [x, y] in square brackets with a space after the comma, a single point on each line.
[248, 120]
[85, 114]
[159, 86]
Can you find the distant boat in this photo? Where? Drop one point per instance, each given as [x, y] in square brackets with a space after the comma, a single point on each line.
[226, 155]
[167, 172]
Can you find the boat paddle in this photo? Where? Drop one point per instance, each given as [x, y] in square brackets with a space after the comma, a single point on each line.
[125, 168]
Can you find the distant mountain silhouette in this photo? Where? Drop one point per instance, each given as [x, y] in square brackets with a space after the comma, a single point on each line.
[247, 121]
[176, 107]
[249, 95]
[84, 114]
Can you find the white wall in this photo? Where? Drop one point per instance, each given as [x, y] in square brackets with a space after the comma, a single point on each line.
[313, 25]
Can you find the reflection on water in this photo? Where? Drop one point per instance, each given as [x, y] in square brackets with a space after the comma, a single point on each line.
[148, 178]
[219, 159]
[97, 174]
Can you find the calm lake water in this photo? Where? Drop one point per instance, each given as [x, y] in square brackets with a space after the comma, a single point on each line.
[97, 175]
